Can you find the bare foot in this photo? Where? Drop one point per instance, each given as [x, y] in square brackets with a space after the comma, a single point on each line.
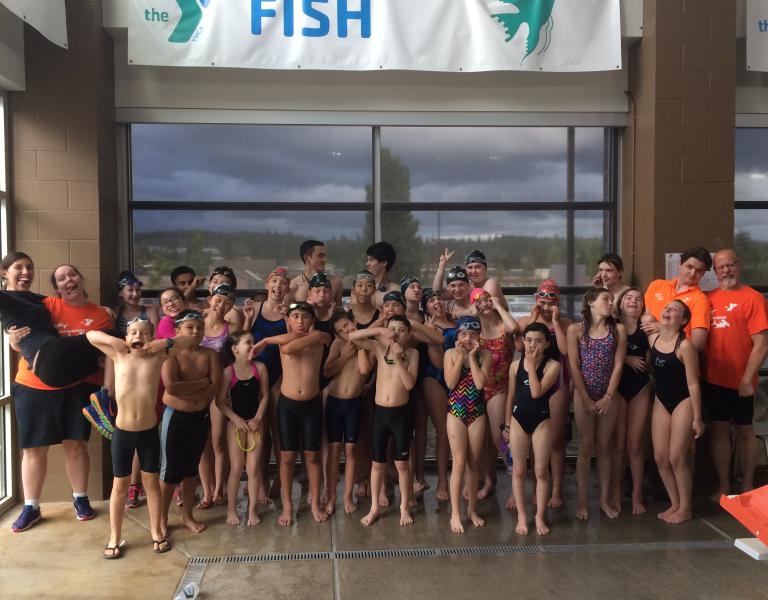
[555, 501]
[383, 497]
[638, 508]
[263, 499]
[163, 531]
[232, 518]
[488, 488]
[220, 499]
[680, 516]
[716, 496]
[541, 526]
[330, 506]
[204, 504]
[609, 511]
[405, 518]
[253, 518]
[582, 512]
[456, 525]
[477, 521]
[666, 514]
[511, 504]
[419, 487]
[362, 489]
[349, 506]
[522, 527]
[319, 514]
[194, 526]
[413, 501]
[286, 518]
[370, 518]
[442, 494]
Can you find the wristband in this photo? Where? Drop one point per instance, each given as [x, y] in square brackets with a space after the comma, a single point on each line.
[168, 344]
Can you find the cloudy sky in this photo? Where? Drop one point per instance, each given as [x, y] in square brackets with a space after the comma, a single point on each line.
[189, 163]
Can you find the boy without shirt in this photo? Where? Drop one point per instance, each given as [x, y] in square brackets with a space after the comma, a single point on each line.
[314, 256]
[138, 361]
[397, 368]
[347, 366]
[191, 380]
[300, 406]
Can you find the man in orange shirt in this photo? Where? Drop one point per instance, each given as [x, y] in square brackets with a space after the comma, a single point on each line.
[694, 262]
[737, 346]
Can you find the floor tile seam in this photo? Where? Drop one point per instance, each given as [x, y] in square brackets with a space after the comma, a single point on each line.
[715, 528]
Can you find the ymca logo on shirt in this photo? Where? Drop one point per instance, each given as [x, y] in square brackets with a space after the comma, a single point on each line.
[720, 322]
[730, 307]
[87, 322]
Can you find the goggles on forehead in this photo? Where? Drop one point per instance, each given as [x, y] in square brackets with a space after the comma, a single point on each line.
[223, 289]
[457, 274]
[301, 306]
[138, 319]
[365, 275]
[189, 315]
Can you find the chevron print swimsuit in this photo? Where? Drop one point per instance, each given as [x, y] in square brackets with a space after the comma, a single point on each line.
[466, 401]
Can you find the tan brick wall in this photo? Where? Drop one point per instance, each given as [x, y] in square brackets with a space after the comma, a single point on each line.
[59, 164]
[679, 146]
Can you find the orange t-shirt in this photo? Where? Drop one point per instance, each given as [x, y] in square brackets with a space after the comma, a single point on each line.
[661, 292]
[69, 321]
[737, 315]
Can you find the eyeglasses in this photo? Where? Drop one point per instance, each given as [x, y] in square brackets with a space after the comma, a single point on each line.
[171, 300]
[542, 294]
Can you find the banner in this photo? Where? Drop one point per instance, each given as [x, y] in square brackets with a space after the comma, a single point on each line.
[47, 16]
[425, 35]
[757, 35]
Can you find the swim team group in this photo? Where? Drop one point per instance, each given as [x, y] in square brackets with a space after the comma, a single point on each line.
[200, 390]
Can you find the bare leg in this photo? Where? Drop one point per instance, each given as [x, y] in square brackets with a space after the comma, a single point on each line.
[586, 424]
[117, 509]
[519, 442]
[458, 440]
[605, 425]
[151, 483]
[661, 422]
[207, 475]
[405, 480]
[619, 443]
[349, 478]
[274, 491]
[746, 444]
[436, 401]
[542, 444]
[637, 417]
[166, 496]
[378, 471]
[287, 461]
[680, 440]
[332, 476]
[720, 445]
[253, 472]
[419, 445]
[476, 437]
[188, 485]
[558, 409]
[315, 474]
[219, 444]
[236, 460]
[363, 449]
[495, 409]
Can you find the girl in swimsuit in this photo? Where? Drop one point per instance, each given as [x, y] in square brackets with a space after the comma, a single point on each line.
[546, 310]
[676, 418]
[532, 380]
[467, 368]
[456, 293]
[498, 337]
[243, 401]
[213, 465]
[596, 350]
[634, 403]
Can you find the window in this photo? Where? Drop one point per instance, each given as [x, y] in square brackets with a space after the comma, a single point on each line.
[751, 214]
[540, 202]
[6, 437]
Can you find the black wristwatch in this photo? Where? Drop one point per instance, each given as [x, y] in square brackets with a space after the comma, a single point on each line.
[168, 345]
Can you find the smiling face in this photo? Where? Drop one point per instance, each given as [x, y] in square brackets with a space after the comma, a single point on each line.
[675, 315]
[459, 290]
[277, 288]
[69, 284]
[609, 274]
[300, 321]
[220, 304]
[138, 334]
[478, 273]
[632, 304]
[130, 294]
[691, 271]
[20, 275]
[171, 303]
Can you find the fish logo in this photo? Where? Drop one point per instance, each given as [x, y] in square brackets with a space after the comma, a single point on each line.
[730, 307]
[191, 15]
[537, 15]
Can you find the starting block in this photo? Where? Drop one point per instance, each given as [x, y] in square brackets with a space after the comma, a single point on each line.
[751, 510]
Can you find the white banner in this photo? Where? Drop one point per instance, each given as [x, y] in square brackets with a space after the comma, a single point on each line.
[757, 35]
[426, 35]
[47, 16]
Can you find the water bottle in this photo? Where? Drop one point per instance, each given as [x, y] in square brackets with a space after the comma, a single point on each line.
[188, 592]
[506, 454]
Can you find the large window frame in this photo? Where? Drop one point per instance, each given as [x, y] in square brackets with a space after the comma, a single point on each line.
[609, 204]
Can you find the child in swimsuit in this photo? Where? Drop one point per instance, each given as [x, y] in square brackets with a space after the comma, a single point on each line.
[243, 399]
[532, 381]
[467, 369]
[676, 418]
[596, 350]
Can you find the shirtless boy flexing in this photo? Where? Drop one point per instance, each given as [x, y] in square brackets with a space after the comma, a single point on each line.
[137, 360]
[397, 368]
[300, 406]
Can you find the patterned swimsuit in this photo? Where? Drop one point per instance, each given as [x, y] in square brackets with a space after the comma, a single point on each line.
[501, 358]
[596, 363]
[466, 401]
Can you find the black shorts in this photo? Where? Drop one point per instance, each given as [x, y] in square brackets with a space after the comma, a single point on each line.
[144, 443]
[725, 404]
[395, 422]
[47, 417]
[342, 419]
[300, 423]
[183, 436]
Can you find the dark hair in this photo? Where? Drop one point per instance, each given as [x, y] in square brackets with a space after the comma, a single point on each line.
[700, 254]
[11, 258]
[227, 356]
[400, 318]
[686, 312]
[612, 259]
[181, 270]
[307, 248]
[340, 315]
[590, 296]
[383, 252]
[227, 272]
[537, 327]
[57, 267]
[174, 289]
[624, 293]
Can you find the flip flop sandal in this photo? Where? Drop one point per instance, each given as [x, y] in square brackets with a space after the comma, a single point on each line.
[160, 546]
[114, 552]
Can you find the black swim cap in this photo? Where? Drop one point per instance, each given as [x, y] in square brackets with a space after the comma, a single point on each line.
[319, 280]
[394, 297]
[475, 257]
[406, 281]
[457, 274]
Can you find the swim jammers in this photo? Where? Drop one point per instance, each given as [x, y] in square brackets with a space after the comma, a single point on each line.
[342, 419]
[300, 423]
[146, 444]
[183, 436]
[394, 421]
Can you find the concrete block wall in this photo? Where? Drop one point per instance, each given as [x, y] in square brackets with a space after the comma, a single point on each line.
[61, 159]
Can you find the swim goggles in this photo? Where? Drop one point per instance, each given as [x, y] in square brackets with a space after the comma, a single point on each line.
[364, 274]
[256, 440]
[138, 319]
[226, 271]
[475, 257]
[128, 278]
[223, 289]
[394, 297]
[304, 307]
[543, 294]
[468, 324]
[457, 274]
[188, 315]
[319, 280]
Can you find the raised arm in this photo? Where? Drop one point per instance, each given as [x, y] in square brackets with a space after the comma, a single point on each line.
[108, 344]
[437, 283]
[452, 367]
[510, 324]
